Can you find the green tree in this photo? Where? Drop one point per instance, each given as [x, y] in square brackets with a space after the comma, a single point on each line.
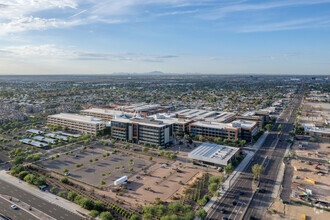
[201, 213]
[106, 216]
[213, 187]
[93, 213]
[229, 168]
[86, 204]
[98, 205]
[268, 127]
[22, 174]
[71, 195]
[135, 217]
[257, 170]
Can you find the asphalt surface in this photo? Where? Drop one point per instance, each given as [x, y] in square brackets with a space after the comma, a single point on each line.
[36, 202]
[8, 213]
[240, 201]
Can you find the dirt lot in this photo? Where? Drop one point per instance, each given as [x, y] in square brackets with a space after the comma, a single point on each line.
[146, 188]
[312, 150]
[294, 212]
[321, 189]
[91, 172]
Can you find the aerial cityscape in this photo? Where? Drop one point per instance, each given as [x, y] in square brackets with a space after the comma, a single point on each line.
[164, 110]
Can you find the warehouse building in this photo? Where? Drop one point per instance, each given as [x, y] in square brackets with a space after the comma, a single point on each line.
[77, 123]
[142, 130]
[213, 154]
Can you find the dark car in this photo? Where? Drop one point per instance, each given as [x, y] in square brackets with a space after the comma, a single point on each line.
[234, 203]
[224, 218]
[223, 210]
[241, 193]
[262, 190]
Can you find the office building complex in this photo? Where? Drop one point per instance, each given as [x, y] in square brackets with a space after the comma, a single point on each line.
[77, 123]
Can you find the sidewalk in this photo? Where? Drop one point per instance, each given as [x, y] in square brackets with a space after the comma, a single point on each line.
[49, 197]
[231, 179]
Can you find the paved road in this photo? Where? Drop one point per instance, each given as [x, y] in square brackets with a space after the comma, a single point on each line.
[7, 212]
[270, 155]
[262, 201]
[40, 204]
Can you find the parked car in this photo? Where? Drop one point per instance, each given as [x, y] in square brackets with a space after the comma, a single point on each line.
[14, 207]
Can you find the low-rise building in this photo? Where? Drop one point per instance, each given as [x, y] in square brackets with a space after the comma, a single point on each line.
[312, 130]
[77, 123]
[213, 154]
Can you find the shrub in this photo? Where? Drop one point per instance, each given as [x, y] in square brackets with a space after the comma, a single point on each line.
[64, 180]
[62, 193]
[93, 213]
[106, 216]
[72, 195]
[22, 174]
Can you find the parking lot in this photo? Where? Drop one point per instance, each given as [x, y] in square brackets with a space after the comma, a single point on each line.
[105, 166]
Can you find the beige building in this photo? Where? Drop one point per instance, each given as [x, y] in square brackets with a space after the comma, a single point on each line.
[77, 123]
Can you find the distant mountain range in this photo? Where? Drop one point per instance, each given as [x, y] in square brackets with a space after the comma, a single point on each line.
[153, 73]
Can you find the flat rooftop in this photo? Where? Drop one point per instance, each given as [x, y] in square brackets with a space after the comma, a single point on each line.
[243, 123]
[34, 131]
[213, 153]
[44, 139]
[142, 121]
[169, 118]
[78, 118]
[210, 124]
[198, 114]
[140, 107]
[104, 111]
[32, 142]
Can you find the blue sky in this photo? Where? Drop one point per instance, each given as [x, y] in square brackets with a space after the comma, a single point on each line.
[174, 36]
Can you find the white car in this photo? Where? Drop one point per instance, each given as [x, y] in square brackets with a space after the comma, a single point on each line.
[14, 207]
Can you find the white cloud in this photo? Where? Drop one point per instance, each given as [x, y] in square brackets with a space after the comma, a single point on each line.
[288, 25]
[51, 52]
[244, 6]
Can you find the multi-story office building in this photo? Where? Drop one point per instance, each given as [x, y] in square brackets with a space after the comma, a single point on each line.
[104, 114]
[77, 123]
[180, 126]
[142, 130]
[238, 129]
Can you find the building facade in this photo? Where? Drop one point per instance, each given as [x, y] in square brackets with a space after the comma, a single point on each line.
[239, 129]
[77, 123]
[142, 131]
